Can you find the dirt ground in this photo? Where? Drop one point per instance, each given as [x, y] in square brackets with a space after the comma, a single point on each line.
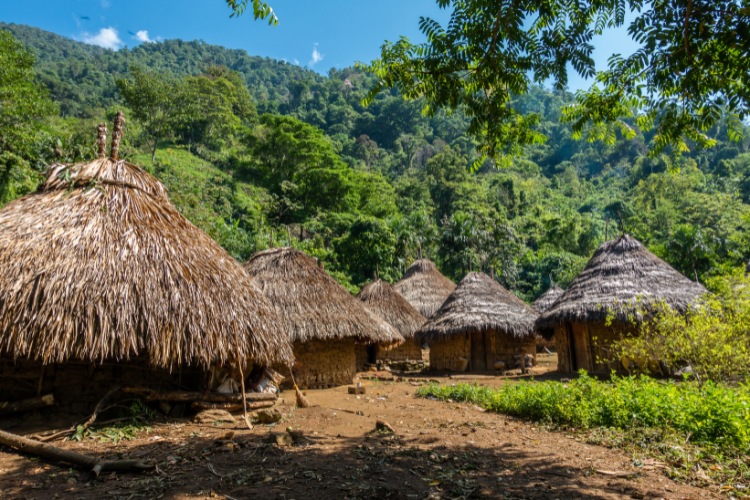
[439, 450]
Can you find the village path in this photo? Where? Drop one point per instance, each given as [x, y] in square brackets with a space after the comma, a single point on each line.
[439, 450]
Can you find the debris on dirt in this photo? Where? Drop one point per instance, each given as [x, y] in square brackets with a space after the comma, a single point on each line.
[268, 416]
[383, 426]
[214, 417]
[357, 389]
[282, 438]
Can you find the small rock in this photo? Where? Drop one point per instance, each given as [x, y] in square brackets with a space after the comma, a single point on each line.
[268, 416]
[282, 439]
[213, 416]
[383, 426]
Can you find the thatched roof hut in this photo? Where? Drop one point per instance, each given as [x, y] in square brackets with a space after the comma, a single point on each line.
[622, 277]
[546, 299]
[482, 325]
[623, 280]
[424, 287]
[323, 321]
[479, 303]
[389, 305]
[99, 265]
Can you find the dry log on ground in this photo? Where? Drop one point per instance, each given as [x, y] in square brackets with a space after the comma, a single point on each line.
[7, 407]
[95, 465]
[188, 397]
[205, 405]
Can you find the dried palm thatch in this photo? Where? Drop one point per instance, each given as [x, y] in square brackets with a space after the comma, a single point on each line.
[479, 303]
[424, 287]
[98, 264]
[622, 278]
[313, 305]
[546, 299]
[389, 305]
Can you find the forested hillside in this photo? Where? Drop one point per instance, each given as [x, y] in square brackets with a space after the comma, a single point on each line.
[260, 153]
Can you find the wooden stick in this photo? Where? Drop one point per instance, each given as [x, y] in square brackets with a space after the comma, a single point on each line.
[244, 396]
[257, 405]
[7, 407]
[187, 397]
[94, 464]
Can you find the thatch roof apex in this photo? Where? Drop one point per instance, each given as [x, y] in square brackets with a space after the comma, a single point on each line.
[622, 277]
[98, 264]
[389, 305]
[548, 298]
[424, 287]
[479, 303]
[311, 303]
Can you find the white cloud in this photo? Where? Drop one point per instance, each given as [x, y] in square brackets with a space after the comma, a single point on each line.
[107, 38]
[296, 62]
[105, 4]
[142, 36]
[316, 56]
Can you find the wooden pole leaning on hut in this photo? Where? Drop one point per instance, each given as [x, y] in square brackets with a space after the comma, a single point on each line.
[95, 465]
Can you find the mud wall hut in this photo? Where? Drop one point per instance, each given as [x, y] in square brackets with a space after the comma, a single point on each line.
[622, 280]
[323, 321]
[481, 326]
[424, 287]
[540, 305]
[101, 276]
[390, 306]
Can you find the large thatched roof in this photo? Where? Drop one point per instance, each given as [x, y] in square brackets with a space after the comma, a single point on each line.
[479, 303]
[389, 305]
[546, 299]
[313, 305]
[622, 277]
[98, 264]
[424, 287]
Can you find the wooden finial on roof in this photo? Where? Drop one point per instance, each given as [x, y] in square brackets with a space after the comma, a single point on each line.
[117, 135]
[101, 140]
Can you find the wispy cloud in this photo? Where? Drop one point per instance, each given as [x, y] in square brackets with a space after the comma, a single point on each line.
[316, 56]
[105, 4]
[142, 36]
[107, 38]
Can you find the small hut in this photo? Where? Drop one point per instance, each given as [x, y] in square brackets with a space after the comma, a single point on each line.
[623, 280]
[102, 281]
[390, 306]
[323, 321]
[424, 287]
[540, 305]
[480, 326]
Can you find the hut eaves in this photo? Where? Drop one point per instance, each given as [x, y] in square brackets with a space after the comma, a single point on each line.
[424, 287]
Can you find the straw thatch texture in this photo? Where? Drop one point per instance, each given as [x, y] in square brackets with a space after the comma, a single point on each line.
[424, 287]
[311, 303]
[546, 299]
[389, 305]
[99, 265]
[622, 277]
[479, 303]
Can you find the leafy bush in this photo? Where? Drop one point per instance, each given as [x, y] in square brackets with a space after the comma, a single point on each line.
[713, 339]
[705, 413]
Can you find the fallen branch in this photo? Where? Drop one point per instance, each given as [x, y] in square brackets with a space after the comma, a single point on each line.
[204, 405]
[187, 397]
[7, 407]
[85, 425]
[95, 465]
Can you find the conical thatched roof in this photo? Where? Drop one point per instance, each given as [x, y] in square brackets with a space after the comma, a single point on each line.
[311, 303]
[424, 287]
[546, 299]
[389, 305]
[621, 277]
[479, 303]
[98, 264]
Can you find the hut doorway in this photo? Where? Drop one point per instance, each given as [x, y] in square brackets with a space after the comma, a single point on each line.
[372, 353]
[480, 350]
[579, 346]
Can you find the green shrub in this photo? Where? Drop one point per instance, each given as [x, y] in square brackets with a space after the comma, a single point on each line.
[705, 413]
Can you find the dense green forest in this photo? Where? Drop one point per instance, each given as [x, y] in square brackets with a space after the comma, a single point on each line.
[260, 153]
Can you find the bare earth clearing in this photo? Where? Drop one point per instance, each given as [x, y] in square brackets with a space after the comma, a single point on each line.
[440, 450]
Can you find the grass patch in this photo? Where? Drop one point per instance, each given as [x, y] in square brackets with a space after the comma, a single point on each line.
[701, 431]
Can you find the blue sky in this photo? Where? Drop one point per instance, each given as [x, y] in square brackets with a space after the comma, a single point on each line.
[319, 34]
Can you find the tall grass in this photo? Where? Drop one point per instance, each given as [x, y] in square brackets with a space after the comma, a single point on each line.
[703, 413]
